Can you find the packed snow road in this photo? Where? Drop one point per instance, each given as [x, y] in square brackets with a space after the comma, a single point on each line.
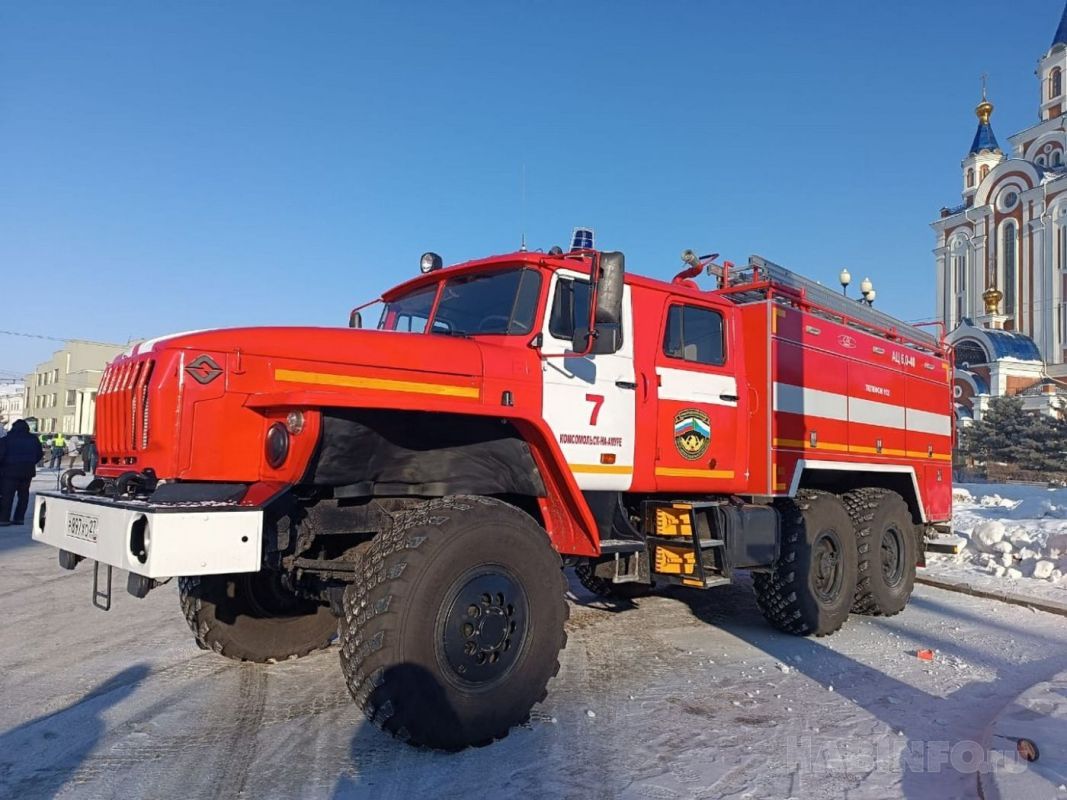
[682, 695]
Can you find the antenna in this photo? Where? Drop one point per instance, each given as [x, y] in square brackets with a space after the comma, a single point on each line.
[522, 220]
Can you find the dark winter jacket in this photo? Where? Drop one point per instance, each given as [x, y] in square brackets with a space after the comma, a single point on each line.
[20, 451]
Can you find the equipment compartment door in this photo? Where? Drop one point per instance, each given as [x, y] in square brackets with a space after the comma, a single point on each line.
[700, 444]
[589, 402]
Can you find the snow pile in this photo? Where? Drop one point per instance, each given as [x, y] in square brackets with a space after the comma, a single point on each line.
[1013, 531]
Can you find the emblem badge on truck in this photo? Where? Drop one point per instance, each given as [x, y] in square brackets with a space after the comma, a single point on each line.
[692, 433]
[203, 369]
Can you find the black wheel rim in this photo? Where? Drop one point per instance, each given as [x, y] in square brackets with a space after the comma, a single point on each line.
[483, 626]
[827, 571]
[892, 556]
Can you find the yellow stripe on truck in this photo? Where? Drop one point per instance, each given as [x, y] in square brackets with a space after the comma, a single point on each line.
[378, 384]
[672, 472]
[602, 469]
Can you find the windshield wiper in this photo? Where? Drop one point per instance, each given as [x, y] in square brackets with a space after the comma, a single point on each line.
[460, 334]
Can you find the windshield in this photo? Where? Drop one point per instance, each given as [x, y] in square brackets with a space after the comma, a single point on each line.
[501, 303]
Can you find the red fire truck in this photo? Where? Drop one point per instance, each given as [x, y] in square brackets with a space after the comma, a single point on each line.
[417, 488]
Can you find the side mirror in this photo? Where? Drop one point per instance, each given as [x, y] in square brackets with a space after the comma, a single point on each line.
[608, 340]
[355, 320]
[609, 288]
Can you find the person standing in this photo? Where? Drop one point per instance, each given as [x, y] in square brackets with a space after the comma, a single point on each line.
[20, 451]
[89, 455]
[59, 449]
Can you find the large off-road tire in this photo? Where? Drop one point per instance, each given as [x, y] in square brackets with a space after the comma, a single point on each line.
[603, 586]
[810, 589]
[253, 617]
[887, 545]
[453, 627]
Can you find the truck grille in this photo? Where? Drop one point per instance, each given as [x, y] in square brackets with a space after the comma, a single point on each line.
[122, 407]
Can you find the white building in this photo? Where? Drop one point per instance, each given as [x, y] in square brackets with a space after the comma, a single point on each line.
[1001, 254]
[12, 404]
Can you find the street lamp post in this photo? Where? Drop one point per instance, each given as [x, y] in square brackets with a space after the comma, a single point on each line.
[845, 279]
[867, 290]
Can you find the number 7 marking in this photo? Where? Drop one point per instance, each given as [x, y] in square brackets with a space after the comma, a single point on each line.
[597, 400]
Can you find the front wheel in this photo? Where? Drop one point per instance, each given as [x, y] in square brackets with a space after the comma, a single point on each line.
[453, 627]
[810, 589]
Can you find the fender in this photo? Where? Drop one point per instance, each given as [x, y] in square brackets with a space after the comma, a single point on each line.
[567, 518]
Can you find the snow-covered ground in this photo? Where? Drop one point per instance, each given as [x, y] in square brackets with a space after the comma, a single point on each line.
[683, 695]
[1016, 539]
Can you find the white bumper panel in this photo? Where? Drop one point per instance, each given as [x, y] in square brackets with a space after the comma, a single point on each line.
[174, 542]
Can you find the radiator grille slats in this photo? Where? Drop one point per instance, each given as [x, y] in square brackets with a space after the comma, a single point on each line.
[123, 408]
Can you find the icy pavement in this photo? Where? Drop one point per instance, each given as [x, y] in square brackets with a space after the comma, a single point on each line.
[1035, 724]
[692, 696]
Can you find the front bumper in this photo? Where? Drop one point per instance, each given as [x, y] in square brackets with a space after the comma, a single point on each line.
[155, 541]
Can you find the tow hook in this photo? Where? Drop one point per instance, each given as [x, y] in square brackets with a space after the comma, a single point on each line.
[65, 485]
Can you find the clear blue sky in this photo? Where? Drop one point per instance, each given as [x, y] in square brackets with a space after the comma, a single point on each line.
[167, 166]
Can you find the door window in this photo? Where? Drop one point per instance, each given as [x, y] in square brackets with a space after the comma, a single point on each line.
[570, 304]
[695, 334]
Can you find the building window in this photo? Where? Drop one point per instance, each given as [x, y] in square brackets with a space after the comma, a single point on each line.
[1061, 247]
[983, 172]
[970, 178]
[1056, 158]
[1040, 160]
[1009, 261]
[959, 274]
[72, 397]
[1055, 83]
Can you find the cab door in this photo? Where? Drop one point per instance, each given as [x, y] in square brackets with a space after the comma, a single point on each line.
[589, 401]
[700, 441]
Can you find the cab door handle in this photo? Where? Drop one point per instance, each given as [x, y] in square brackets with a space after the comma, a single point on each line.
[626, 384]
[729, 398]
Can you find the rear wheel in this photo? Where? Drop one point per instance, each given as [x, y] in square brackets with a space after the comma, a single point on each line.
[887, 547]
[253, 617]
[453, 627]
[810, 589]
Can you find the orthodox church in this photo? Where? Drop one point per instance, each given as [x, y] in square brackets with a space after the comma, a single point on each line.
[1001, 256]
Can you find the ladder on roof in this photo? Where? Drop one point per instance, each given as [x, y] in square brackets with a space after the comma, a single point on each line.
[761, 269]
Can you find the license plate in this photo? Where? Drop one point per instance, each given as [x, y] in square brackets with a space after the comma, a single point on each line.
[82, 526]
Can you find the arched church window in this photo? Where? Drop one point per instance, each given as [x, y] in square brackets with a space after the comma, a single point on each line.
[1056, 158]
[970, 177]
[1040, 161]
[1055, 83]
[983, 172]
[970, 354]
[1009, 268]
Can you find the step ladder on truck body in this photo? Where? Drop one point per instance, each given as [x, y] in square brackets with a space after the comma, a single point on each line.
[700, 544]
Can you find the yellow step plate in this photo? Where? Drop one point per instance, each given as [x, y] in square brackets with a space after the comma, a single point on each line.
[675, 560]
[674, 520]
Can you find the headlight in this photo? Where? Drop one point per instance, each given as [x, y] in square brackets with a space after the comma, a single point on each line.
[277, 445]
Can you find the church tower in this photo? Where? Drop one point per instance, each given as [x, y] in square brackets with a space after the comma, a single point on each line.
[1001, 255]
[1050, 73]
[984, 154]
